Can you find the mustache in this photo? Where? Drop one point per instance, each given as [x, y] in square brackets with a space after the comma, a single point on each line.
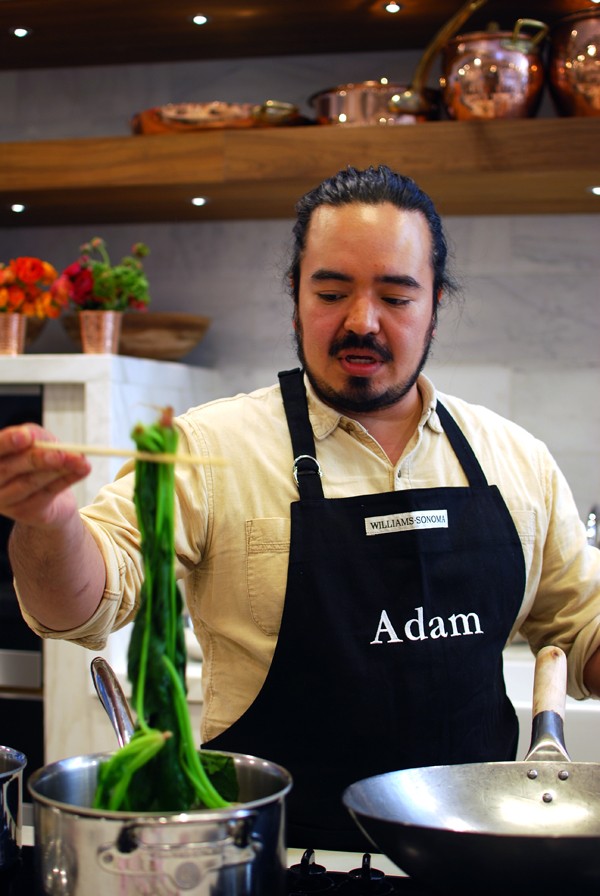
[367, 343]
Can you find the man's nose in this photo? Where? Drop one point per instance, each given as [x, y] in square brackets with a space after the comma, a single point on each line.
[362, 316]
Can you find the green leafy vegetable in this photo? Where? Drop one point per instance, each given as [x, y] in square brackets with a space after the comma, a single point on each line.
[160, 769]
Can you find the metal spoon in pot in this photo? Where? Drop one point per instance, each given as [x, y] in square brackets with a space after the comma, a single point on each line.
[113, 699]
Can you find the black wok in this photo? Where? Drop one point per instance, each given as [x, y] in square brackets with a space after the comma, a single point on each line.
[533, 826]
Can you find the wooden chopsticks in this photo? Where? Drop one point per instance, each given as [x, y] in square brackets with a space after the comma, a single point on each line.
[106, 451]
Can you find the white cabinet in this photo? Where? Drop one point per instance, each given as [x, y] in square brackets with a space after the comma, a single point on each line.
[96, 400]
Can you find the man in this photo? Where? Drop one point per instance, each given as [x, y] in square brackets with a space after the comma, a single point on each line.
[355, 572]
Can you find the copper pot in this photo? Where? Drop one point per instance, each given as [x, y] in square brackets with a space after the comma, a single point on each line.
[378, 102]
[574, 64]
[369, 102]
[494, 74]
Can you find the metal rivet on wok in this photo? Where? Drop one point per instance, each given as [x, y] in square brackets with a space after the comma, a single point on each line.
[563, 775]
[547, 797]
[532, 773]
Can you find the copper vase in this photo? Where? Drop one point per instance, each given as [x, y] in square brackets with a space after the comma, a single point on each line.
[12, 333]
[100, 331]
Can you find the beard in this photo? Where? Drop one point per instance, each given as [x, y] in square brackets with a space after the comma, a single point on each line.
[360, 396]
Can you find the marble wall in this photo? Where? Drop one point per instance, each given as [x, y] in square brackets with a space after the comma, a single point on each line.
[523, 340]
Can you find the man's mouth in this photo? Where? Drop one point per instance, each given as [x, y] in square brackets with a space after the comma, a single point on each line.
[355, 364]
[360, 359]
[357, 349]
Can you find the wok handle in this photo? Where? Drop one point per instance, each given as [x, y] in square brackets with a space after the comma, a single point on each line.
[549, 700]
[550, 682]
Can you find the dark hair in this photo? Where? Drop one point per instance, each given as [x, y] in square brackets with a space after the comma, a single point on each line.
[371, 187]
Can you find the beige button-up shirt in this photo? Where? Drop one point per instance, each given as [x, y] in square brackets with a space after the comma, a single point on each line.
[233, 530]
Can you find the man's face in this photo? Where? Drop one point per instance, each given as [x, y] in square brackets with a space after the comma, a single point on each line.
[364, 320]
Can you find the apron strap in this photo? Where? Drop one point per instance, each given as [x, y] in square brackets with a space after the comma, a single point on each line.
[306, 471]
[462, 449]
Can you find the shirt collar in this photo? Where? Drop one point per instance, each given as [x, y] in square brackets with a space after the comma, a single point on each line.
[324, 419]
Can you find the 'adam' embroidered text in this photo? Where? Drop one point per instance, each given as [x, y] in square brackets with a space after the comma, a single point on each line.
[419, 629]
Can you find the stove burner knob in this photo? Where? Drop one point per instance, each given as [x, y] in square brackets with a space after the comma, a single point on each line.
[367, 881]
[307, 877]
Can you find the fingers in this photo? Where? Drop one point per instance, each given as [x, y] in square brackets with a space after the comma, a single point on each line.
[14, 439]
[33, 481]
[18, 453]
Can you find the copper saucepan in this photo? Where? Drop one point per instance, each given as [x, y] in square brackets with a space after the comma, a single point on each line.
[384, 103]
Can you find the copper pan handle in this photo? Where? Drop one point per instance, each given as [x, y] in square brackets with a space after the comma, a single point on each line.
[532, 23]
[442, 37]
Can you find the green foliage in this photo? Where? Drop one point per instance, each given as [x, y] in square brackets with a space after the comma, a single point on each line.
[160, 769]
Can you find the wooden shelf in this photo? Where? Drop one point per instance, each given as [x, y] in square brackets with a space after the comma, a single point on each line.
[530, 166]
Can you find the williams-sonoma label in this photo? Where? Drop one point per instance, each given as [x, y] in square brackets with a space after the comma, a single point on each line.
[398, 522]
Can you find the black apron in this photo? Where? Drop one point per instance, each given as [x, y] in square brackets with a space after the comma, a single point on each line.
[389, 654]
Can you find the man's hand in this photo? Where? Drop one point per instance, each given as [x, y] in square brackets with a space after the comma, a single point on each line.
[58, 568]
[35, 482]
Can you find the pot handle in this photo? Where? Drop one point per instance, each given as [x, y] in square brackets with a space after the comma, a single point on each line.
[536, 38]
[112, 699]
[443, 35]
[274, 112]
[181, 865]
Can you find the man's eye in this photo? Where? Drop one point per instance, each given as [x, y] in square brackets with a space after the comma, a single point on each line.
[330, 296]
[398, 301]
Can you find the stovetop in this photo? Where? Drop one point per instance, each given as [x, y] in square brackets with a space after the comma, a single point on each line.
[305, 878]
[18, 880]
[308, 877]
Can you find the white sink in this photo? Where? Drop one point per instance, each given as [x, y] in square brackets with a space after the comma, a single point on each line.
[582, 717]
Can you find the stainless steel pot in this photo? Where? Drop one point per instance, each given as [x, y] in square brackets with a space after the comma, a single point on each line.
[81, 851]
[12, 763]
[574, 64]
[494, 74]
[531, 826]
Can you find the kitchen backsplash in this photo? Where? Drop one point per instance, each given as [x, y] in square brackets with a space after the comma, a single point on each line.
[524, 340]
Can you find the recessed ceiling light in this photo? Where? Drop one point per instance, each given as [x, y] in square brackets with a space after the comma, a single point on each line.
[595, 190]
[20, 32]
[199, 200]
[199, 20]
[394, 7]
[17, 207]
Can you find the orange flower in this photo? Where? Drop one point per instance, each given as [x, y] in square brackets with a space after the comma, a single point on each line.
[26, 288]
[28, 270]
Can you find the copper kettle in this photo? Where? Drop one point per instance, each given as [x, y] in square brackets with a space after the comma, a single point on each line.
[494, 74]
[574, 64]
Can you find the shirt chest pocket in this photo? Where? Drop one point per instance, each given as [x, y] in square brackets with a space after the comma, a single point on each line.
[267, 555]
